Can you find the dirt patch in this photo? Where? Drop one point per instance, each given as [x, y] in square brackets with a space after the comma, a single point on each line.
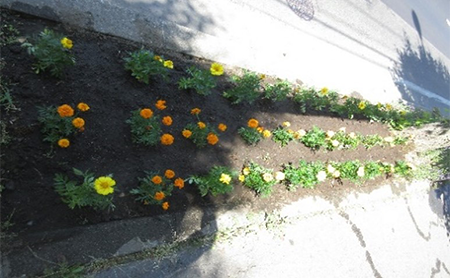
[99, 79]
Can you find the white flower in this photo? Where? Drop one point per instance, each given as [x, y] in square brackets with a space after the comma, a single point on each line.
[330, 169]
[352, 135]
[330, 133]
[336, 174]
[335, 143]
[279, 176]
[360, 172]
[342, 129]
[321, 176]
[301, 132]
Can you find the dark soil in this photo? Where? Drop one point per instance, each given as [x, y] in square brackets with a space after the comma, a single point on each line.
[28, 165]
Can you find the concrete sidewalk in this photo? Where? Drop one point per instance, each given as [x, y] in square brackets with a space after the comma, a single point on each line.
[390, 232]
[349, 46]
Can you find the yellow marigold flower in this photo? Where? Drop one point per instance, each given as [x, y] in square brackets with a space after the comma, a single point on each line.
[159, 196]
[157, 58]
[66, 43]
[253, 123]
[267, 177]
[260, 129]
[167, 139]
[146, 113]
[388, 107]
[362, 105]
[64, 143]
[186, 133]
[379, 105]
[224, 178]
[201, 125]
[168, 64]
[321, 176]
[165, 206]
[157, 179]
[241, 178]
[167, 120]
[161, 104]
[222, 127]
[279, 176]
[65, 110]
[169, 174]
[216, 69]
[212, 138]
[78, 122]
[360, 171]
[262, 76]
[286, 124]
[195, 111]
[290, 131]
[246, 171]
[179, 182]
[266, 133]
[104, 185]
[83, 107]
[324, 91]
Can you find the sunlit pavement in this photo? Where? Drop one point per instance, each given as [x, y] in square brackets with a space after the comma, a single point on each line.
[360, 46]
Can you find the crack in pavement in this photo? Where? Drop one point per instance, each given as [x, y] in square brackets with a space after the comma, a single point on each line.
[360, 237]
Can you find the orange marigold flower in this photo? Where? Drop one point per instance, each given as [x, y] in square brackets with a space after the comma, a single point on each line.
[253, 123]
[159, 196]
[64, 143]
[83, 107]
[146, 113]
[167, 139]
[165, 206]
[222, 127]
[195, 111]
[78, 122]
[186, 133]
[167, 120]
[179, 182]
[201, 125]
[157, 179]
[169, 174]
[65, 110]
[161, 104]
[212, 138]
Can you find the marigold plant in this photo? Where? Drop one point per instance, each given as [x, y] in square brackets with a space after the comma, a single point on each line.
[153, 189]
[64, 143]
[179, 182]
[222, 127]
[59, 122]
[167, 120]
[91, 192]
[165, 206]
[196, 111]
[169, 174]
[200, 133]
[201, 81]
[247, 88]
[212, 138]
[144, 65]
[217, 181]
[260, 179]
[145, 128]
[51, 52]
[252, 133]
[83, 107]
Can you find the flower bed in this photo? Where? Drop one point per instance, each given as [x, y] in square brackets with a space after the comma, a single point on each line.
[127, 119]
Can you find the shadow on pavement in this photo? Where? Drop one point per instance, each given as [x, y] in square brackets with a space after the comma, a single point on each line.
[422, 80]
[442, 194]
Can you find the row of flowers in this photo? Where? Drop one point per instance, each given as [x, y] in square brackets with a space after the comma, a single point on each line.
[315, 138]
[58, 123]
[156, 188]
[52, 52]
